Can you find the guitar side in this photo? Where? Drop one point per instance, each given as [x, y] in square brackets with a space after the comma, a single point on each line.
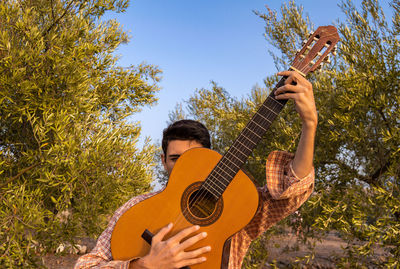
[240, 203]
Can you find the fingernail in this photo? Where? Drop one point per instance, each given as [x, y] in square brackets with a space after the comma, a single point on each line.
[203, 259]
[197, 227]
[204, 234]
[208, 248]
[170, 225]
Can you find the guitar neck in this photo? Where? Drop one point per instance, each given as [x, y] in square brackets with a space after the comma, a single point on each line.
[240, 150]
[314, 51]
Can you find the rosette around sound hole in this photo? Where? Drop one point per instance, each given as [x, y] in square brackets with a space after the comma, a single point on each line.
[199, 206]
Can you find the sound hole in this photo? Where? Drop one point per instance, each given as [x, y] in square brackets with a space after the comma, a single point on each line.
[202, 203]
[199, 206]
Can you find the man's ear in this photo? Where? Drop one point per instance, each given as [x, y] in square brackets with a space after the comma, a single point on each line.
[163, 161]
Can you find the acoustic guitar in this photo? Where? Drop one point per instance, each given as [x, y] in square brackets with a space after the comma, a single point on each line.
[211, 190]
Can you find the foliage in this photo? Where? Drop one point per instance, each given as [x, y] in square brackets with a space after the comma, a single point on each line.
[357, 154]
[68, 156]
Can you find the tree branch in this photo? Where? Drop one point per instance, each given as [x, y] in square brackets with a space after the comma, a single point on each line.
[371, 179]
[19, 174]
[56, 21]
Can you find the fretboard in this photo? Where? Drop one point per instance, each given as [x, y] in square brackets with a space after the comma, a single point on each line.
[233, 160]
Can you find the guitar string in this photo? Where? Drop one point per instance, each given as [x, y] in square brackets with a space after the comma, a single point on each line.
[252, 134]
[200, 195]
[203, 194]
[181, 217]
[238, 149]
[214, 174]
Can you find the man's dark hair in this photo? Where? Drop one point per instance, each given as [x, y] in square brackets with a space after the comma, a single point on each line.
[186, 130]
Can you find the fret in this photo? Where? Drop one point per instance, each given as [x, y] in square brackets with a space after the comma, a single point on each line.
[276, 101]
[229, 152]
[237, 150]
[217, 179]
[221, 180]
[219, 171]
[223, 159]
[215, 170]
[217, 194]
[260, 126]
[243, 145]
[219, 188]
[222, 170]
[276, 114]
[222, 162]
[259, 114]
[226, 179]
[247, 128]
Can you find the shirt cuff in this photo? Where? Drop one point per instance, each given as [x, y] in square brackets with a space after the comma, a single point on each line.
[281, 181]
[293, 177]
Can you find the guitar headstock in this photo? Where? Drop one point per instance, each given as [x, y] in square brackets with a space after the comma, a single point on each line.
[316, 50]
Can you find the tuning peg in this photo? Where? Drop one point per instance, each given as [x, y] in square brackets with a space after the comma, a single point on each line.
[310, 34]
[304, 42]
[334, 50]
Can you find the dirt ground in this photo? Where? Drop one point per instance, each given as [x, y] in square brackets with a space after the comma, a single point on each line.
[325, 253]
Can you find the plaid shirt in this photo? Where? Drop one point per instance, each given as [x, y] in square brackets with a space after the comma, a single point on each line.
[282, 195]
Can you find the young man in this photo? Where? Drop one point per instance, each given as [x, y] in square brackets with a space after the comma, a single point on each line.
[290, 181]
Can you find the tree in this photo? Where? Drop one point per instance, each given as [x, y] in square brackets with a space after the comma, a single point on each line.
[357, 154]
[68, 155]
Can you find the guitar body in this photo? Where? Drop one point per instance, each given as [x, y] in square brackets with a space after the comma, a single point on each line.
[220, 220]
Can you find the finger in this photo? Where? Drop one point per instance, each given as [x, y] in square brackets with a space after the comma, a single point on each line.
[286, 96]
[286, 73]
[191, 262]
[291, 77]
[158, 237]
[192, 240]
[287, 88]
[182, 234]
[196, 253]
[289, 73]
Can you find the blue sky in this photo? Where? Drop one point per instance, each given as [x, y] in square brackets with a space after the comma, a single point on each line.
[194, 42]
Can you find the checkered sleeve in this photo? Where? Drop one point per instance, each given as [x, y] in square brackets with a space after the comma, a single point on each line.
[283, 194]
[281, 180]
[100, 256]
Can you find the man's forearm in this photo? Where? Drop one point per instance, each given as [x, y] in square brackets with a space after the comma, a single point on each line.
[300, 90]
[303, 160]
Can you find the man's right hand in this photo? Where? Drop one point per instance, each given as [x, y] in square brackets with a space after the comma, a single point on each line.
[171, 253]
